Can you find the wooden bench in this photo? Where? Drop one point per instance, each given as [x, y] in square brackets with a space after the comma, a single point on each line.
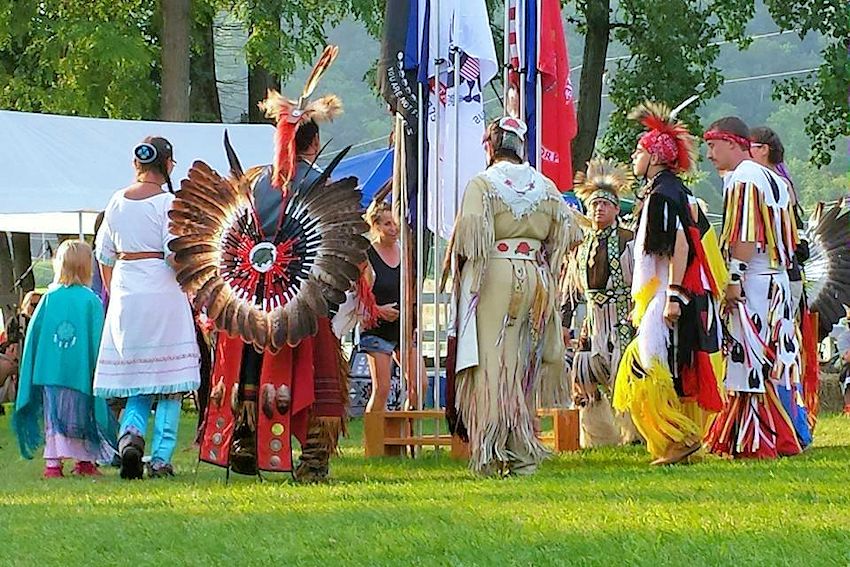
[386, 434]
[565, 429]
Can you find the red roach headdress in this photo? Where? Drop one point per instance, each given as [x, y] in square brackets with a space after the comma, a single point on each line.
[666, 138]
[290, 115]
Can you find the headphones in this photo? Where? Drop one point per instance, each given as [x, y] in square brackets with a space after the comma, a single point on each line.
[146, 153]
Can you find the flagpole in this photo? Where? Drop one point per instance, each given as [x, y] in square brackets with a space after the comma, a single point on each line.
[400, 177]
[422, 123]
[506, 53]
[538, 94]
[521, 62]
[456, 181]
[438, 61]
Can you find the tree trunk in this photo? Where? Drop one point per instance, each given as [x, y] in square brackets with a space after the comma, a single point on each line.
[590, 88]
[259, 81]
[22, 258]
[7, 279]
[203, 98]
[174, 104]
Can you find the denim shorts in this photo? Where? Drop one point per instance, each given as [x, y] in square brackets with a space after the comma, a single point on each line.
[371, 343]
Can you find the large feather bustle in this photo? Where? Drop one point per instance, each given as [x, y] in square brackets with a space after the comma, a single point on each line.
[656, 118]
[320, 239]
[828, 267]
[605, 175]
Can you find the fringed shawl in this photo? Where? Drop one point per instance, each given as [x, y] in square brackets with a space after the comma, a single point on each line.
[474, 233]
[757, 209]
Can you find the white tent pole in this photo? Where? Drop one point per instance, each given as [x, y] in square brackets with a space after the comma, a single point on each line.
[80, 220]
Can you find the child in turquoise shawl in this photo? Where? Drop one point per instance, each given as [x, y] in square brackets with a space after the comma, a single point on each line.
[57, 369]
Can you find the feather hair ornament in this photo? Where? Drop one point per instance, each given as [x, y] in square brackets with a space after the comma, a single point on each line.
[605, 179]
[289, 115]
[667, 137]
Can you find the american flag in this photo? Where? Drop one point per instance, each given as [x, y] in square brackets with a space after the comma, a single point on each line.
[514, 40]
[469, 68]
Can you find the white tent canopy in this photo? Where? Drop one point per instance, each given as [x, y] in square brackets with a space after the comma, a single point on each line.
[59, 171]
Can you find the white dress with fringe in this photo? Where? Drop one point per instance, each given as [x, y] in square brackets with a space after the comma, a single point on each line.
[148, 344]
[510, 236]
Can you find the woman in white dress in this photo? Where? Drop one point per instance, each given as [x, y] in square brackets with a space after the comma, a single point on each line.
[148, 352]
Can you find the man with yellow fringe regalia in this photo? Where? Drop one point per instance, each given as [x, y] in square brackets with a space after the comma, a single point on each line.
[758, 241]
[270, 253]
[666, 378]
[604, 264]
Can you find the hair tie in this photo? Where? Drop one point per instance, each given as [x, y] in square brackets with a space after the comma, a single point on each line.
[145, 153]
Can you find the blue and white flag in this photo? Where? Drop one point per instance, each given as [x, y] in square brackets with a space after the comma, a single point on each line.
[458, 32]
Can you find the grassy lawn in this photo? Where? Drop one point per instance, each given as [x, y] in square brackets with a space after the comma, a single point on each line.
[601, 507]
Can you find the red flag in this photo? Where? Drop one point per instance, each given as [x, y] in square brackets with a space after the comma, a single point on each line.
[558, 106]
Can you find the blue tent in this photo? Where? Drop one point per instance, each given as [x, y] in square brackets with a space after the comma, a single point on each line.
[372, 169]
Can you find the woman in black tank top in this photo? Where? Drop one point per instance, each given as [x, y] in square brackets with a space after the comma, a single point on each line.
[381, 342]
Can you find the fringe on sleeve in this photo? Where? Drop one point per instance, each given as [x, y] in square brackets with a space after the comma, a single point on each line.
[747, 218]
[474, 234]
[565, 233]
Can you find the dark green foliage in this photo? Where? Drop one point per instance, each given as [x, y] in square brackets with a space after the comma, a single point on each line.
[828, 89]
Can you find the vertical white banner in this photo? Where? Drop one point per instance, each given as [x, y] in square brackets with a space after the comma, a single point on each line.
[463, 25]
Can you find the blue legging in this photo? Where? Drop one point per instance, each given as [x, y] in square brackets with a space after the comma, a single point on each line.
[166, 420]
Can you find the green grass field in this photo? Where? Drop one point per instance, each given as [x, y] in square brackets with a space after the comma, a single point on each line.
[601, 507]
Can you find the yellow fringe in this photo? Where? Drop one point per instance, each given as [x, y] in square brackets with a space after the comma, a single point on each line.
[648, 393]
[716, 263]
[642, 299]
[698, 415]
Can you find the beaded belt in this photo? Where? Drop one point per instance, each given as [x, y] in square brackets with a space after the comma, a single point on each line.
[516, 249]
[603, 296]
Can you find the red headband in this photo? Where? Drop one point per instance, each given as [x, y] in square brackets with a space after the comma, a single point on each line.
[727, 137]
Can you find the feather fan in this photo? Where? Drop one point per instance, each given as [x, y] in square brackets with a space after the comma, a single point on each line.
[828, 267]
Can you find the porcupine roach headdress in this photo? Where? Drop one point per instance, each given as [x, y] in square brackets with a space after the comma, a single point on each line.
[666, 138]
[267, 289]
[605, 179]
[290, 115]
